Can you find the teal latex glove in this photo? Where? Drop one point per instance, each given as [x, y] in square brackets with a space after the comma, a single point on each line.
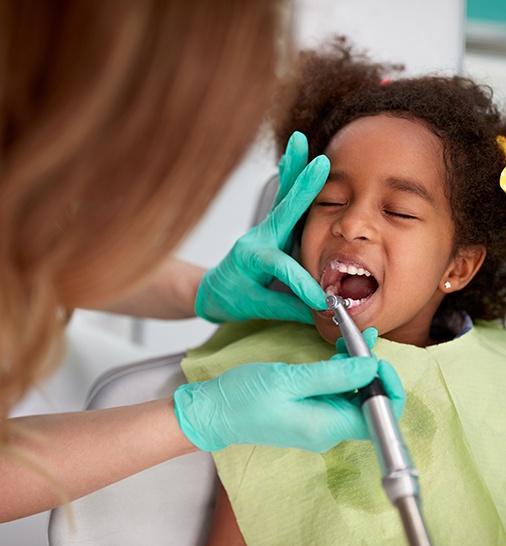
[237, 288]
[299, 406]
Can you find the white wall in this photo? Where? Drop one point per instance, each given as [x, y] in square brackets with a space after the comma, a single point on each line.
[425, 35]
[488, 70]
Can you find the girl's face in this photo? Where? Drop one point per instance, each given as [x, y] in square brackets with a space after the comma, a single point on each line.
[380, 232]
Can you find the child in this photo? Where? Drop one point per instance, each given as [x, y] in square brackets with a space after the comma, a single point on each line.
[410, 226]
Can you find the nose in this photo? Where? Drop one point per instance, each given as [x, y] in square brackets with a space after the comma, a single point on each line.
[355, 224]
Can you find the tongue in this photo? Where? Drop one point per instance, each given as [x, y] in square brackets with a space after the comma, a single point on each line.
[358, 287]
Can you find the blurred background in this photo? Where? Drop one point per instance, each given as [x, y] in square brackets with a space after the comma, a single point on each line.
[429, 36]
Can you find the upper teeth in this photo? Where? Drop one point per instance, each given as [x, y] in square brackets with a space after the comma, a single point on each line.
[350, 269]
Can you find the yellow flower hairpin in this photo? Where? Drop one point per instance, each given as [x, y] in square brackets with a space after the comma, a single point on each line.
[501, 140]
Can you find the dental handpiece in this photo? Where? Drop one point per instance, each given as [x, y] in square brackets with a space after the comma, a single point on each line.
[399, 477]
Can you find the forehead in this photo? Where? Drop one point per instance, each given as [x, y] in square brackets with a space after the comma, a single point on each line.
[387, 141]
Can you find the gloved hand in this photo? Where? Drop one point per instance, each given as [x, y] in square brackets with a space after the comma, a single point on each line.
[281, 405]
[236, 289]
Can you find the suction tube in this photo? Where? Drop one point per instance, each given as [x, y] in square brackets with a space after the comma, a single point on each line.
[400, 478]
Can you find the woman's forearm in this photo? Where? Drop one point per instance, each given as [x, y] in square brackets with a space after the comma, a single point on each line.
[170, 294]
[83, 452]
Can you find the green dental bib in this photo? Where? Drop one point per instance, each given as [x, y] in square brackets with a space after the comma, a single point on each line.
[454, 425]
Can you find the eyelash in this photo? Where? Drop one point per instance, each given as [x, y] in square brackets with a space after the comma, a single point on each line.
[389, 213]
[399, 215]
[328, 204]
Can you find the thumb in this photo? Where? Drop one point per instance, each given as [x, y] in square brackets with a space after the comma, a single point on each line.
[271, 305]
[293, 275]
[331, 377]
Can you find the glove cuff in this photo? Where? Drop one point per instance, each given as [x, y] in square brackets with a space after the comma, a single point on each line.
[184, 406]
[200, 302]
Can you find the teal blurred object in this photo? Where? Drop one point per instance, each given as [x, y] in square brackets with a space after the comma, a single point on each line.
[493, 11]
[486, 27]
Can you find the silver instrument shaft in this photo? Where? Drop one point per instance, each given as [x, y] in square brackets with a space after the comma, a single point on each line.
[399, 477]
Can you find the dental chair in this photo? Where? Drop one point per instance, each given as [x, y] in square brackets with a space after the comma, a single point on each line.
[171, 504]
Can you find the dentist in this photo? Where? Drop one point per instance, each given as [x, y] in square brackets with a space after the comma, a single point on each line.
[120, 121]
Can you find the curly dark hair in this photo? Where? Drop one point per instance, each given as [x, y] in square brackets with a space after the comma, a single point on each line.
[336, 85]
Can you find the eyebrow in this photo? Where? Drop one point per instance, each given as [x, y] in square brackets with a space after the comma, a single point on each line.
[411, 186]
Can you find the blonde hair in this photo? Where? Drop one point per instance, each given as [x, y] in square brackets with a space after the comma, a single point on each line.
[120, 121]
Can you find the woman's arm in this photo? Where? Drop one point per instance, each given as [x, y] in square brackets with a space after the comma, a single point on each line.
[169, 295]
[224, 529]
[84, 451]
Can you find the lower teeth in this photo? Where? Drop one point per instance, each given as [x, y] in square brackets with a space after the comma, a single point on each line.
[332, 291]
[354, 303]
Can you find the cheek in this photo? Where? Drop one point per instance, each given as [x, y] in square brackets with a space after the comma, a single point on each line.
[435, 252]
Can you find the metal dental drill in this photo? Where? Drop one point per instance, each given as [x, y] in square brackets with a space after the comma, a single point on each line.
[400, 478]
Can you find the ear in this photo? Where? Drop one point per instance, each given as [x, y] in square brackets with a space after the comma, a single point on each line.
[462, 268]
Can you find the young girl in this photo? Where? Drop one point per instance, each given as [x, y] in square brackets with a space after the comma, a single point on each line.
[410, 226]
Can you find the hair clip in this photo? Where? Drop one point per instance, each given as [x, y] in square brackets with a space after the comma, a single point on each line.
[501, 140]
[388, 79]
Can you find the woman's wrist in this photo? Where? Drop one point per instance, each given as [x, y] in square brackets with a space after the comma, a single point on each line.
[179, 439]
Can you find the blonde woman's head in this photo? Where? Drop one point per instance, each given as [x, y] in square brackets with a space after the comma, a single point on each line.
[120, 120]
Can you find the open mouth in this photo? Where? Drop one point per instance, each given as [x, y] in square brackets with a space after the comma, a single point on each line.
[350, 281]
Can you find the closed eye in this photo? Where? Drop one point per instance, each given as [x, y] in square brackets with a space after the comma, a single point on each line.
[330, 204]
[400, 215]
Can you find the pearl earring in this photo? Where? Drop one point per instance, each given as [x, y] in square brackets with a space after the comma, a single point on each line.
[448, 285]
